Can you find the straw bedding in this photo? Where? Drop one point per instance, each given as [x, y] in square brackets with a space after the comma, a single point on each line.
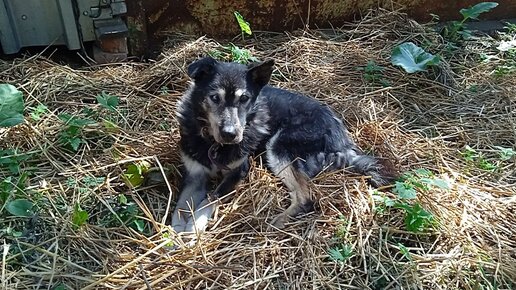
[421, 120]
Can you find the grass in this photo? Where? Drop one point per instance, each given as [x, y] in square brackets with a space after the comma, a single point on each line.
[95, 224]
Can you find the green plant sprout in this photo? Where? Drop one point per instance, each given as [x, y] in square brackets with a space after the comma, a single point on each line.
[455, 31]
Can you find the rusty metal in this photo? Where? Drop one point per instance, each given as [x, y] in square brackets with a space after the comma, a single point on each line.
[149, 21]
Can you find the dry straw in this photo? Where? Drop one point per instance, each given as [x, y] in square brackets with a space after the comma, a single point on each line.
[422, 120]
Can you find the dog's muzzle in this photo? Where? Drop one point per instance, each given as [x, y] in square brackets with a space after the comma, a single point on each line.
[230, 135]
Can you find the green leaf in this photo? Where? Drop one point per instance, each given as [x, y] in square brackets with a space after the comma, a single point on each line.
[341, 252]
[60, 286]
[11, 106]
[20, 207]
[441, 183]
[469, 154]
[404, 190]
[417, 219]
[79, 216]
[412, 58]
[38, 112]
[108, 101]
[74, 121]
[405, 251]
[476, 10]
[245, 27]
[505, 153]
[134, 174]
[335, 254]
[122, 199]
[486, 165]
[140, 225]
[75, 143]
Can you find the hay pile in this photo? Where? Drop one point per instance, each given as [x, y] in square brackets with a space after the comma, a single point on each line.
[421, 120]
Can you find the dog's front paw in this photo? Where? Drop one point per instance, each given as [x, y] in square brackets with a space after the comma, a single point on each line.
[197, 225]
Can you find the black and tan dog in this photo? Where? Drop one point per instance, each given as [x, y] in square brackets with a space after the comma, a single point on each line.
[230, 113]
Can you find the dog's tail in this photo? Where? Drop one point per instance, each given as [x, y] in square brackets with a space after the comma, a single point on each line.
[353, 159]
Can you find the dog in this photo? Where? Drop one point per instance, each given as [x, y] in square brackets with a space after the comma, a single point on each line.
[230, 113]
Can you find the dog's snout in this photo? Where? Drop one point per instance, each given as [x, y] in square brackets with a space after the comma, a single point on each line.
[228, 133]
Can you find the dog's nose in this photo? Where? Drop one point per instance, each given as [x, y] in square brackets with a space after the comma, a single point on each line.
[228, 133]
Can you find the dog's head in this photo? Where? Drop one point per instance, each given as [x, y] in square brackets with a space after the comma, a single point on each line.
[227, 93]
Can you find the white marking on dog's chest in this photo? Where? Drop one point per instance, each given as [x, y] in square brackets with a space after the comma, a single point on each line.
[196, 168]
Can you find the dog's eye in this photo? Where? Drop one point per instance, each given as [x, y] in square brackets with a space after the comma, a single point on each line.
[215, 99]
[244, 98]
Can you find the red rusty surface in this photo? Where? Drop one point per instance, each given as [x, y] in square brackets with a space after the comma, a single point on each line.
[150, 20]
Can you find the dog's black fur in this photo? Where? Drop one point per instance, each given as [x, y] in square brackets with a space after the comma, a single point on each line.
[230, 113]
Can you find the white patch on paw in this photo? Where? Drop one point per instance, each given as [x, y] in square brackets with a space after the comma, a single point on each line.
[201, 217]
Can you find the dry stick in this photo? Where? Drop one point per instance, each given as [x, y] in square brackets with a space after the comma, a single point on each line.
[4, 263]
[169, 187]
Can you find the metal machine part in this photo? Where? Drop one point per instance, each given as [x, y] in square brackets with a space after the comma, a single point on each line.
[65, 22]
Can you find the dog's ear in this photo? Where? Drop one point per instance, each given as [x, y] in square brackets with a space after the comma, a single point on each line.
[201, 68]
[260, 72]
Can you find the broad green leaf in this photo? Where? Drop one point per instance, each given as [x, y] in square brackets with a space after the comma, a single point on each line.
[79, 216]
[108, 101]
[245, 27]
[404, 190]
[11, 106]
[20, 207]
[412, 58]
[474, 11]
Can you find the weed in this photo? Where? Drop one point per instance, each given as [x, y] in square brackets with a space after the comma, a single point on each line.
[108, 101]
[469, 154]
[13, 196]
[455, 31]
[373, 73]
[134, 173]
[79, 216]
[341, 252]
[164, 90]
[233, 53]
[510, 28]
[12, 159]
[38, 112]
[417, 219]
[71, 136]
[480, 161]
[505, 153]
[125, 213]
[404, 251]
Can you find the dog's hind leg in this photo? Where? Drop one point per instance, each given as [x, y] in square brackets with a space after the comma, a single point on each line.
[300, 199]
